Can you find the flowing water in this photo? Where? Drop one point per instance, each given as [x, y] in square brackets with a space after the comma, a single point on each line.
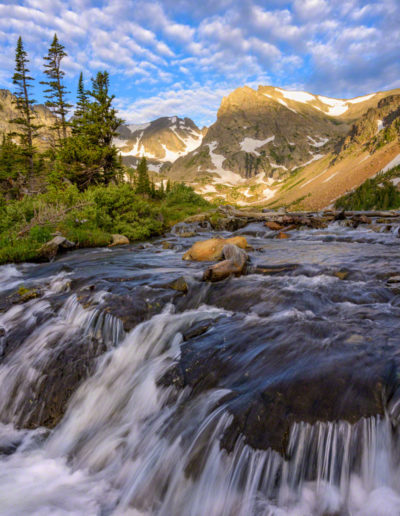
[272, 394]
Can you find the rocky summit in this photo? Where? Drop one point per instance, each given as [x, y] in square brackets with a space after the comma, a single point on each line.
[274, 147]
[161, 141]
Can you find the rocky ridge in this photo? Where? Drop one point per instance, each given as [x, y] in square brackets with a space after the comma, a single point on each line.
[43, 117]
[263, 138]
[161, 141]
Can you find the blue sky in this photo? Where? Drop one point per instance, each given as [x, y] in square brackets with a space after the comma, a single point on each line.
[180, 57]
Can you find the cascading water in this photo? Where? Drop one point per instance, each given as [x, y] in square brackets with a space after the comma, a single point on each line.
[138, 440]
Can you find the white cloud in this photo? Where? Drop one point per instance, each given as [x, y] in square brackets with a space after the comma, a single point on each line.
[336, 48]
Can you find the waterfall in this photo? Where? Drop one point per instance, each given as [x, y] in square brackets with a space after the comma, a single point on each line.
[159, 449]
[129, 445]
[24, 373]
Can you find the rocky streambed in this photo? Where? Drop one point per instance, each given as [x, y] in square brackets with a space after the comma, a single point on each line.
[132, 384]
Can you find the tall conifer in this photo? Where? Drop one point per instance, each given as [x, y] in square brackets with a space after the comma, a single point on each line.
[143, 181]
[81, 105]
[27, 130]
[56, 91]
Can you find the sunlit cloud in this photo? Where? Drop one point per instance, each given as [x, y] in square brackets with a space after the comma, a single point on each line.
[174, 57]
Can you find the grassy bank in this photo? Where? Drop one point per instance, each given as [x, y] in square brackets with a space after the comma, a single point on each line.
[378, 193]
[89, 218]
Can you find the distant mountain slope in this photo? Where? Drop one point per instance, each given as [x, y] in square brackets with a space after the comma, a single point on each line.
[162, 140]
[43, 117]
[372, 146]
[261, 138]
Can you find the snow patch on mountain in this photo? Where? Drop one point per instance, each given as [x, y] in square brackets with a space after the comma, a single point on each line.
[316, 157]
[138, 127]
[336, 107]
[217, 160]
[320, 143]
[361, 99]
[298, 96]
[275, 165]
[251, 144]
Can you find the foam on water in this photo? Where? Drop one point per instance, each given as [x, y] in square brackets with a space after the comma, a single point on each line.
[10, 277]
[130, 445]
[161, 457]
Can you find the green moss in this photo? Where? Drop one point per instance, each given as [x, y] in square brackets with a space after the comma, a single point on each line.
[27, 293]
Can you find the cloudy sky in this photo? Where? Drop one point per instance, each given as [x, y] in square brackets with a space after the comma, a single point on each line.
[180, 57]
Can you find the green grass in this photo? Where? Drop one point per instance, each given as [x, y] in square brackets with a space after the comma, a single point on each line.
[89, 218]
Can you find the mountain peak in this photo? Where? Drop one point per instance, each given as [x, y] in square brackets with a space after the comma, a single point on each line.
[162, 140]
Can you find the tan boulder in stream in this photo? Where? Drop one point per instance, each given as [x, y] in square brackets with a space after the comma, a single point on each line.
[119, 240]
[235, 263]
[211, 250]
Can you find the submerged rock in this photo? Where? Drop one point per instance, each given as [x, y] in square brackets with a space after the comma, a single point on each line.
[274, 226]
[211, 250]
[282, 236]
[179, 285]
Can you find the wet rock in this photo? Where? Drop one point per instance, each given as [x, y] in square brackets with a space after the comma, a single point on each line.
[394, 279]
[64, 373]
[167, 245]
[119, 240]
[192, 225]
[229, 223]
[26, 294]
[196, 331]
[360, 219]
[274, 226]
[179, 285]
[273, 386]
[211, 250]
[342, 275]
[50, 249]
[22, 295]
[269, 270]
[234, 264]
[340, 216]
[187, 234]
[282, 236]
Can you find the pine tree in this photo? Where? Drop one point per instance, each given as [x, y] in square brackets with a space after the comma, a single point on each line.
[143, 181]
[168, 189]
[89, 154]
[56, 91]
[102, 123]
[25, 120]
[152, 188]
[81, 105]
[9, 153]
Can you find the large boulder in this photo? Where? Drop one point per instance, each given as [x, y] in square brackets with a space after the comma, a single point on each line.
[119, 240]
[234, 264]
[51, 248]
[211, 250]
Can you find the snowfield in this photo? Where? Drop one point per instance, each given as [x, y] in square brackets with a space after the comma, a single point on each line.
[217, 160]
[250, 144]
